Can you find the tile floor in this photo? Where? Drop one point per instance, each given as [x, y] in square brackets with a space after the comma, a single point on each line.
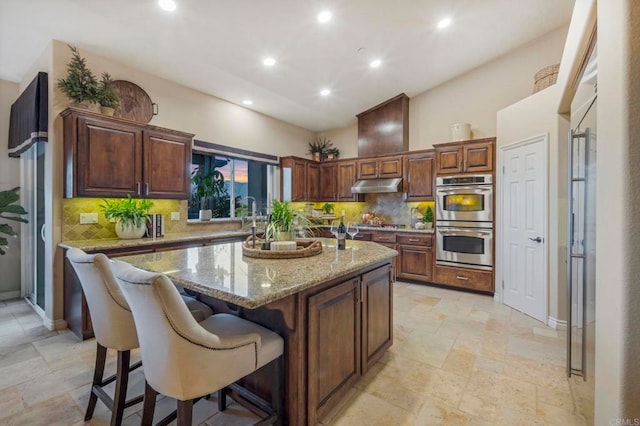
[457, 358]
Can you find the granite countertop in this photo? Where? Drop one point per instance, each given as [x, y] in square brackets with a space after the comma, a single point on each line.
[222, 272]
[116, 243]
[382, 229]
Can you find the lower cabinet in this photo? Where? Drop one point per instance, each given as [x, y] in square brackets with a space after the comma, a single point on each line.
[465, 278]
[350, 326]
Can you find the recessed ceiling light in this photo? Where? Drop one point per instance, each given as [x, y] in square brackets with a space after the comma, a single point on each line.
[247, 102]
[325, 92]
[168, 5]
[444, 23]
[269, 62]
[324, 16]
[375, 63]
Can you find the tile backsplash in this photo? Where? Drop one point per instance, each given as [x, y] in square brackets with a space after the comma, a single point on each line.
[72, 230]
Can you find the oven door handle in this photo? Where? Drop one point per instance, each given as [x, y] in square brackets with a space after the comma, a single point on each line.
[454, 231]
[475, 189]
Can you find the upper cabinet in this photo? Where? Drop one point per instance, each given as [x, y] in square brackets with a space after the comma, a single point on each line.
[295, 177]
[465, 157]
[346, 170]
[110, 157]
[380, 167]
[419, 171]
[328, 181]
[384, 129]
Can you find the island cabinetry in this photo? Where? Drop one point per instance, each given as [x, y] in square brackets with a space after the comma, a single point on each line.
[334, 346]
[328, 181]
[415, 258]
[465, 157]
[111, 157]
[419, 174]
[471, 279]
[380, 167]
[377, 315]
[387, 239]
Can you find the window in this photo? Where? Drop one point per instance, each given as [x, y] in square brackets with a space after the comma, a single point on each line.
[235, 181]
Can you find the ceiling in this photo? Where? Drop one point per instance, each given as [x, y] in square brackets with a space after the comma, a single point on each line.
[217, 46]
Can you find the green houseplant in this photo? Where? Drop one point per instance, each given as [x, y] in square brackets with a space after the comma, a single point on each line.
[107, 96]
[427, 217]
[284, 223]
[319, 148]
[131, 215]
[9, 210]
[80, 85]
[209, 188]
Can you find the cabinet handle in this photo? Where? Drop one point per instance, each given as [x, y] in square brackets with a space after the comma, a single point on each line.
[138, 188]
[414, 240]
[462, 278]
[146, 188]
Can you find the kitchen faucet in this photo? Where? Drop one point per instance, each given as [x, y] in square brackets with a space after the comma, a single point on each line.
[248, 198]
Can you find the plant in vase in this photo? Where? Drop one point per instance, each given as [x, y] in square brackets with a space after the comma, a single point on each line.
[107, 96]
[319, 147]
[131, 215]
[284, 223]
[427, 218]
[11, 211]
[209, 187]
[80, 85]
[332, 153]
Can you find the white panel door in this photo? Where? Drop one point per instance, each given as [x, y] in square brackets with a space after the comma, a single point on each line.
[524, 227]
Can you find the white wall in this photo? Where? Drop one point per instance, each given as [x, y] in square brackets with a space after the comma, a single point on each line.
[9, 178]
[530, 117]
[474, 97]
[617, 213]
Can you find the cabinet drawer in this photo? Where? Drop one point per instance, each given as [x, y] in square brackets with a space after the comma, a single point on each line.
[415, 239]
[465, 278]
[363, 236]
[383, 237]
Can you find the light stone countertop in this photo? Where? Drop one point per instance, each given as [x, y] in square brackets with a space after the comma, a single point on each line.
[222, 272]
[116, 243]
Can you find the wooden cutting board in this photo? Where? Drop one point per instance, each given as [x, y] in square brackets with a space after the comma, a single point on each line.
[135, 103]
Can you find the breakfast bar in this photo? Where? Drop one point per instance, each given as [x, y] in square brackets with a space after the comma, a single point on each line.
[334, 311]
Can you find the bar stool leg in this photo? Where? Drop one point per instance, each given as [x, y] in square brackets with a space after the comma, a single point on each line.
[185, 412]
[278, 390]
[122, 379]
[98, 372]
[149, 405]
[222, 399]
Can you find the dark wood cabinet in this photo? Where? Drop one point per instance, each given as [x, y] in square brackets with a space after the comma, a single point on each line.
[328, 181]
[111, 157]
[313, 181]
[300, 179]
[389, 138]
[377, 315]
[471, 279]
[346, 179]
[380, 167]
[419, 176]
[415, 257]
[465, 157]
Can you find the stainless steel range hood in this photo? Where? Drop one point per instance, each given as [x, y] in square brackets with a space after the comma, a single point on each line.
[377, 186]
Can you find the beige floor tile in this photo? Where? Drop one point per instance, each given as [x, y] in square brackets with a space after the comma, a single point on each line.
[554, 415]
[446, 387]
[425, 347]
[56, 411]
[367, 409]
[22, 372]
[482, 363]
[14, 354]
[10, 326]
[547, 375]
[546, 396]
[437, 413]
[460, 362]
[10, 402]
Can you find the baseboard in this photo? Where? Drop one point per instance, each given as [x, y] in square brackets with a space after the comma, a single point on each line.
[58, 324]
[556, 324]
[8, 295]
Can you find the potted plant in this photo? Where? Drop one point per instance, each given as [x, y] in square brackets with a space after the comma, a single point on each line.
[80, 85]
[319, 147]
[333, 153]
[131, 215]
[427, 218]
[107, 96]
[11, 211]
[208, 185]
[327, 208]
[284, 223]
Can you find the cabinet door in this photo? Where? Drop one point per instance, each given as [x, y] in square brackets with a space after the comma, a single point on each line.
[418, 175]
[167, 165]
[313, 182]
[377, 315]
[328, 181]
[346, 179]
[449, 160]
[368, 168]
[465, 278]
[109, 161]
[478, 157]
[415, 262]
[333, 346]
[389, 167]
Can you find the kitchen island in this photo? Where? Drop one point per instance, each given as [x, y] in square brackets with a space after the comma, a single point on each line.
[334, 311]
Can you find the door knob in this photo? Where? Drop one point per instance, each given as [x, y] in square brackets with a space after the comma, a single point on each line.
[536, 239]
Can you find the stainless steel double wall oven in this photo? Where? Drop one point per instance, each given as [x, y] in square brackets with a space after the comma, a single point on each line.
[464, 221]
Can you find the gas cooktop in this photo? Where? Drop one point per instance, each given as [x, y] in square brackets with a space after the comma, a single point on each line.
[384, 225]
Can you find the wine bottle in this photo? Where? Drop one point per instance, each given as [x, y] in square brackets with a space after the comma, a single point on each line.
[342, 234]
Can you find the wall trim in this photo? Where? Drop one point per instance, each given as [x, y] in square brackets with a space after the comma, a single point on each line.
[8, 295]
[556, 324]
[52, 325]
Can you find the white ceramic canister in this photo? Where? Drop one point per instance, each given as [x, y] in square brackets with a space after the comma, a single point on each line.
[460, 132]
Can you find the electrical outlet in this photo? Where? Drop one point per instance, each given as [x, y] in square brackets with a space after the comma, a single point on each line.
[88, 218]
[175, 215]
